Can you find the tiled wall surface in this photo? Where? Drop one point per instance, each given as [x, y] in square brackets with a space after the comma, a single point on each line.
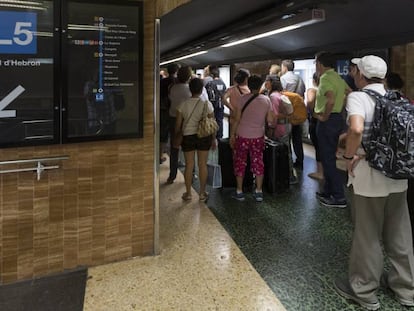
[165, 6]
[96, 208]
[402, 62]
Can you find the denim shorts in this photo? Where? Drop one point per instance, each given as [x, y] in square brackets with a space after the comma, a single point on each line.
[193, 142]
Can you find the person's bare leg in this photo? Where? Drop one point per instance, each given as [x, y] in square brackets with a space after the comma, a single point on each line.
[188, 171]
[202, 156]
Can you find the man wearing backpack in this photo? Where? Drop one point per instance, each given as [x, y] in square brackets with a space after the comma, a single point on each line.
[215, 90]
[379, 204]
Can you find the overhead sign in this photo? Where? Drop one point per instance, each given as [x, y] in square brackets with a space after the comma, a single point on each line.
[17, 32]
[342, 67]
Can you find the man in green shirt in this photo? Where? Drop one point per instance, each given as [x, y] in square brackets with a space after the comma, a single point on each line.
[329, 103]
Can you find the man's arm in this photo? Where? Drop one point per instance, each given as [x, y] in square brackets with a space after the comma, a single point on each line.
[226, 99]
[330, 102]
[235, 124]
[353, 141]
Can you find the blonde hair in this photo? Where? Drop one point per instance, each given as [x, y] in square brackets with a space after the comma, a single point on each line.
[274, 69]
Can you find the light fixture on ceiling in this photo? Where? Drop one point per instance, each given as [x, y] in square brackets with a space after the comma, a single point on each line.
[183, 57]
[298, 21]
[87, 27]
[30, 5]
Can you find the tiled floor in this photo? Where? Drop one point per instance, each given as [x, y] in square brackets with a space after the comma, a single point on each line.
[199, 268]
[297, 247]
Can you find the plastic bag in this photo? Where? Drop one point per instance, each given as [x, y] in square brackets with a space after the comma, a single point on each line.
[214, 171]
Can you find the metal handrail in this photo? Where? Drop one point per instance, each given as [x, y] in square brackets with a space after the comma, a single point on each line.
[38, 169]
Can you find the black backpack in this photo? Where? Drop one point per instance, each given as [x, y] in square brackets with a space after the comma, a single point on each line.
[215, 91]
[390, 146]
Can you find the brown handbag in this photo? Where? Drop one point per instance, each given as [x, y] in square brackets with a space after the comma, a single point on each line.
[207, 126]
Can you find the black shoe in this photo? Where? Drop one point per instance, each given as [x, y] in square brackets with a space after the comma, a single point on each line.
[320, 195]
[298, 166]
[332, 202]
[293, 180]
[343, 288]
[239, 196]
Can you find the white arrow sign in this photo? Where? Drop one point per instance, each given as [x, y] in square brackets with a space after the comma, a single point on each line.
[7, 100]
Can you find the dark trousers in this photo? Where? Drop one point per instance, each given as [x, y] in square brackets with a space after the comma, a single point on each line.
[312, 133]
[327, 134]
[297, 143]
[219, 115]
[164, 125]
[173, 151]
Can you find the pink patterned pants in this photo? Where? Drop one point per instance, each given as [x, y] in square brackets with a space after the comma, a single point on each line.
[245, 146]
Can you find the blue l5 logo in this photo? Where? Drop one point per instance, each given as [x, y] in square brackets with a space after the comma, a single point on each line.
[18, 32]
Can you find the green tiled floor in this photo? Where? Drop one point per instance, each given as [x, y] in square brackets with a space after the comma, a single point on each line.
[297, 246]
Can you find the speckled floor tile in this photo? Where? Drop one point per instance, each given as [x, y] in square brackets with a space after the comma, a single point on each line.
[292, 243]
[297, 246]
[199, 268]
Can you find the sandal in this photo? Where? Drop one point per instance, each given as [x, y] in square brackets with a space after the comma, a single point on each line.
[186, 196]
[203, 197]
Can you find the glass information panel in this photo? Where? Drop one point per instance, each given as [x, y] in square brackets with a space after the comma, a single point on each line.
[104, 66]
[26, 73]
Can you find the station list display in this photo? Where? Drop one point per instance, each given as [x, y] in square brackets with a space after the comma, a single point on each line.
[104, 71]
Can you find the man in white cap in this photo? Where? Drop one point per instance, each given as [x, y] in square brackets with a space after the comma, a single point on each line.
[380, 211]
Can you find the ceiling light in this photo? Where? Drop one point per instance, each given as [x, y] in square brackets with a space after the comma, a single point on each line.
[87, 27]
[298, 21]
[183, 57]
[34, 5]
[10, 5]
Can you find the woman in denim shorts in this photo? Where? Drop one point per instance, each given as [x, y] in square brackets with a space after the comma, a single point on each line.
[189, 114]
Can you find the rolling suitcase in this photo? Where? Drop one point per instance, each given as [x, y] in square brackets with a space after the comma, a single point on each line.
[276, 162]
[226, 162]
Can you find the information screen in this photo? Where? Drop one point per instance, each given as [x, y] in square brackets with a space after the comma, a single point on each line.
[26, 74]
[104, 65]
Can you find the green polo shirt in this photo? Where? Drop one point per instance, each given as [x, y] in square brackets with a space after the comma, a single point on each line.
[330, 81]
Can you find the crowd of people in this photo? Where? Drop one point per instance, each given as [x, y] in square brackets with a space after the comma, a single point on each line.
[339, 113]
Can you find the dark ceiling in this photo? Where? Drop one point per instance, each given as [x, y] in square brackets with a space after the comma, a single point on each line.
[350, 26]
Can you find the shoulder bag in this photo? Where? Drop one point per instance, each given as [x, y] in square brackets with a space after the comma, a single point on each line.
[207, 126]
[178, 137]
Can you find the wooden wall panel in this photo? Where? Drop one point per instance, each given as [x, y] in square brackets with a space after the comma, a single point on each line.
[259, 68]
[165, 6]
[402, 62]
[98, 207]
[90, 211]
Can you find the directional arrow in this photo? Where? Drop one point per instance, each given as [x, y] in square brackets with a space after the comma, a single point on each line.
[7, 100]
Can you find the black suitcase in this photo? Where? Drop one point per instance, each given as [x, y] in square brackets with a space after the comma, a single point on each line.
[276, 163]
[227, 173]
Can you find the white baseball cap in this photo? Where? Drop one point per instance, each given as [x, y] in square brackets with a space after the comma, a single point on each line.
[371, 66]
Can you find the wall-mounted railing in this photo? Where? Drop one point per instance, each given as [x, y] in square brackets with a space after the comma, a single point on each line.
[39, 168]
